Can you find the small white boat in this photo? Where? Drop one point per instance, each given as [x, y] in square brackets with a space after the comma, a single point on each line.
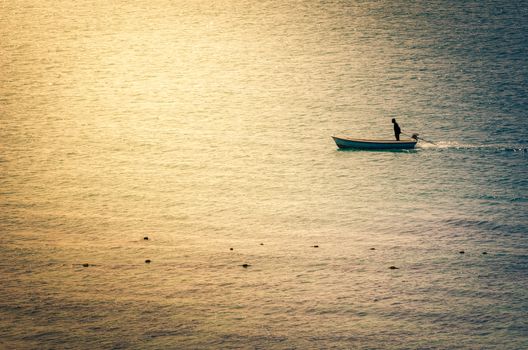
[374, 144]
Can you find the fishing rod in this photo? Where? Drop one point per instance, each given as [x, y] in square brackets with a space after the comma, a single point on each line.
[415, 136]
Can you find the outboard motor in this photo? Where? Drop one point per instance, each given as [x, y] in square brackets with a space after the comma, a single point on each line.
[415, 136]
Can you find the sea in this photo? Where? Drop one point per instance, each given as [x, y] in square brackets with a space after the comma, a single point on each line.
[168, 178]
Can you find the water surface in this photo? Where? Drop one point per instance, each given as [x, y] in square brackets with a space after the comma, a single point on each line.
[206, 126]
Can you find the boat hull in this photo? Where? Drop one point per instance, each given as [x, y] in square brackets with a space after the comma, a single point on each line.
[373, 144]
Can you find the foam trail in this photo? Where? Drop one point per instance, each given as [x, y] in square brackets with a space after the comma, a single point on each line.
[469, 146]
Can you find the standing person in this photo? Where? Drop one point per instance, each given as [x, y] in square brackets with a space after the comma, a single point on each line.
[397, 130]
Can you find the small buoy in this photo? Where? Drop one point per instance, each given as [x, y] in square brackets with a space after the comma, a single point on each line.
[85, 265]
[145, 238]
[316, 246]
[147, 261]
[484, 253]
[393, 268]
[461, 252]
[245, 266]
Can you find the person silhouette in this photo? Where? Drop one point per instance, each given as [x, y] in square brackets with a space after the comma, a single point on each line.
[397, 130]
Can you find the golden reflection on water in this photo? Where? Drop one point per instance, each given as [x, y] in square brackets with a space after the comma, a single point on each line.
[109, 93]
[206, 126]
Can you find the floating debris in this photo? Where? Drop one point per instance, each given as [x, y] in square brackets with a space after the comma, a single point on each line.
[484, 253]
[245, 265]
[148, 261]
[230, 248]
[261, 243]
[316, 246]
[461, 252]
[372, 248]
[84, 265]
[393, 267]
[146, 238]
